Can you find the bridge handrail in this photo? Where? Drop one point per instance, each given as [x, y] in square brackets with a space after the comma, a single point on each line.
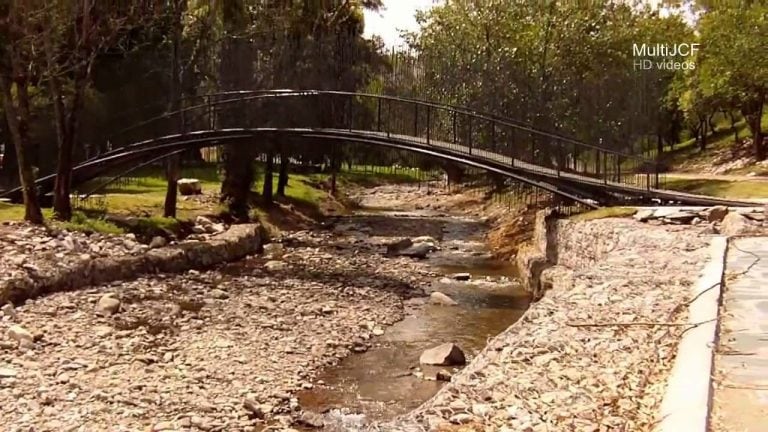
[482, 115]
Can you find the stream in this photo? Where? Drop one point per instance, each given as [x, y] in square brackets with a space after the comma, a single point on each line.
[388, 380]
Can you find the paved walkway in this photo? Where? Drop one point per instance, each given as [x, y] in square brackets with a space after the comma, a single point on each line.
[741, 363]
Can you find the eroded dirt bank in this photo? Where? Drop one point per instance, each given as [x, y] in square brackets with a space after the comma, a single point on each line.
[595, 352]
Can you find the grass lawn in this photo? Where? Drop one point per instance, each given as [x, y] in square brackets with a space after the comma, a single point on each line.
[146, 194]
[605, 212]
[719, 188]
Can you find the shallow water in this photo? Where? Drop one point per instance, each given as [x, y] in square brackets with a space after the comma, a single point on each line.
[387, 380]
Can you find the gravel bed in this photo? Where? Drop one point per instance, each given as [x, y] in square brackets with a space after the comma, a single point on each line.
[219, 350]
[595, 352]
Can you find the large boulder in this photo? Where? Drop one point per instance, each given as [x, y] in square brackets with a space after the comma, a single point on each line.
[717, 213]
[447, 354]
[735, 224]
[189, 186]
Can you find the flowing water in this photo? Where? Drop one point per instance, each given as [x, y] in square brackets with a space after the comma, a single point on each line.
[387, 380]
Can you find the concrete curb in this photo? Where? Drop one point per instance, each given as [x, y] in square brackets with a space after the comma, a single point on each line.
[686, 404]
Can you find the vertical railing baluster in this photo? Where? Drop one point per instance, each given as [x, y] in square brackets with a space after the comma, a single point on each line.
[349, 111]
[428, 123]
[416, 119]
[493, 136]
[470, 134]
[378, 114]
[453, 115]
[389, 117]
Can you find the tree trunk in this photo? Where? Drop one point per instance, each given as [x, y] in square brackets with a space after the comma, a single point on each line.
[68, 117]
[733, 127]
[282, 178]
[172, 167]
[18, 125]
[266, 192]
[753, 113]
[10, 169]
[235, 73]
[173, 163]
[703, 133]
[659, 144]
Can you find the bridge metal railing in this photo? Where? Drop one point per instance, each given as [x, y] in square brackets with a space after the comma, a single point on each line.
[443, 128]
[459, 130]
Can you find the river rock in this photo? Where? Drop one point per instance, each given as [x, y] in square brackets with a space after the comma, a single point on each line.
[275, 265]
[311, 420]
[681, 217]
[447, 354]
[418, 250]
[717, 213]
[398, 246]
[21, 335]
[425, 239]
[439, 298]
[157, 242]
[108, 305]
[9, 311]
[735, 224]
[7, 373]
[274, 250]
[253, 407]
[461, 418]
[643, 215]
[443, 375]
[461, 276]
[190, 186]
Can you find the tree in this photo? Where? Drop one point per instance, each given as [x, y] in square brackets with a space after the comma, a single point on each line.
[15, 79]
[236, 73]
[74, 33]
[734, 61]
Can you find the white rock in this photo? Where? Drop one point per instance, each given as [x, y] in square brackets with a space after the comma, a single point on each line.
[643, 215]
[735, 224]
[21, 335]
[447, 354]
[274, 250]
[439, 298]
[157, 242]
[108, 305]
[424, 239]
[7, 373]
[203, 221]
[275, 265]
[9, 311]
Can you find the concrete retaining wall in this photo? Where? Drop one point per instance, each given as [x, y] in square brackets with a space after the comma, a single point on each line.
[236, 243]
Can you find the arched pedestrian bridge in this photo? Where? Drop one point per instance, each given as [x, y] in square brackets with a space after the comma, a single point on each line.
[566, 167]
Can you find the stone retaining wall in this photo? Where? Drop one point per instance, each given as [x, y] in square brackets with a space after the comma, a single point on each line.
[540, 253]
[238, 242]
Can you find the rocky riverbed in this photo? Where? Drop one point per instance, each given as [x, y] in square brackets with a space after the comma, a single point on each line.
[222, 349]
